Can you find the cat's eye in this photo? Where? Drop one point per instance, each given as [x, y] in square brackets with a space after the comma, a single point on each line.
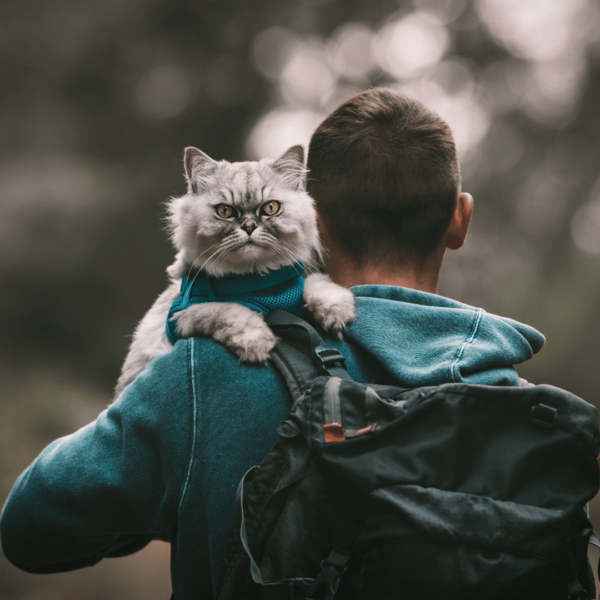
[270, 208]
[225, 211]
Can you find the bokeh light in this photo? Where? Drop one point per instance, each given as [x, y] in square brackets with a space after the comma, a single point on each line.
[272, 48]
[445, 10]
[276, 131]
[585, 228]
[164, 92]
[318, 75]
[468, 120]
[553, 89]
[585, 224]
[450, 90]
[553, 37]
[307, 76]
[538, 30]
[456, 76]
[407, 47]
[351, 51]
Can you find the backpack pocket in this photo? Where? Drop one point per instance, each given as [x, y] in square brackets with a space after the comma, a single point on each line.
[426, 543]
[416, 570]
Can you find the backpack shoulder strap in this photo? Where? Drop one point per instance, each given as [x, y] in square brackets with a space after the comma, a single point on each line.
[301, 355]
[295, 366]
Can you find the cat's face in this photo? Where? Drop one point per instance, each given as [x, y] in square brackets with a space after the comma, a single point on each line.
[244, 217]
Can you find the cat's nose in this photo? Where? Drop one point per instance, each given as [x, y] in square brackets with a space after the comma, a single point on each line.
[249, 228]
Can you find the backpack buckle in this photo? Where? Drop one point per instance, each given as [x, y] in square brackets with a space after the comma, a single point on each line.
[329, 577]
[327, 357]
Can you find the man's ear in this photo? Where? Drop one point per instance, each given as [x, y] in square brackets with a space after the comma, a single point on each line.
[291, 165]
[456, 234]
[197, 165]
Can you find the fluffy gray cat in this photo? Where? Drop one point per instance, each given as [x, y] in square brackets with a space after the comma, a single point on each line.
[239, 218]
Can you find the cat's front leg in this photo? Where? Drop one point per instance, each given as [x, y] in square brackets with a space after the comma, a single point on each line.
[332, 305]
[241, 330]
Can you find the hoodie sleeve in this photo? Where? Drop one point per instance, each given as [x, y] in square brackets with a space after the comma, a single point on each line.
[492, 347]
[106, 489]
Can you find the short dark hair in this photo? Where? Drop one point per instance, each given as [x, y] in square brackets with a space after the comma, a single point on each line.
[384, 174]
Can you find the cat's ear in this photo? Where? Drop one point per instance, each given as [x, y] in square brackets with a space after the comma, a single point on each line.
[291, 165]
[197, 166]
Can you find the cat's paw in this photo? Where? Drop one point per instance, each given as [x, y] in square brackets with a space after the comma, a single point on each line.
[332, 305]
[241, 330]
[253, 345]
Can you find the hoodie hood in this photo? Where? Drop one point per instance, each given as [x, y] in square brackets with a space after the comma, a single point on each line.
[424, 339]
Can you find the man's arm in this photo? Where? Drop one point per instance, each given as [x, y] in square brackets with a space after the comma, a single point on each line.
[106, 489]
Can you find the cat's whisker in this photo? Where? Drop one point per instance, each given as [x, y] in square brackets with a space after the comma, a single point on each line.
[199, 256]
[273, 239]
[309, 260]
[200, 269]
[213, 255]
[285, 255]
[277, 254]
[226, 251]
[282, 256]
[226, 244]
[225, 248]
[284, 251]
[209, 248]
[272, 245]
[192, 266]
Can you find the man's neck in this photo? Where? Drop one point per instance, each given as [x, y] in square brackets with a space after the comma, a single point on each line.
[415, 281]
[424, 277]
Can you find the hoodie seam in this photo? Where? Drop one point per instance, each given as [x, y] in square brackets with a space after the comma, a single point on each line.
[194, 412]
[454, 366]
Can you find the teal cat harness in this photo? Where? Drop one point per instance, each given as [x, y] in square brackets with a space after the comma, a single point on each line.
[279, 289]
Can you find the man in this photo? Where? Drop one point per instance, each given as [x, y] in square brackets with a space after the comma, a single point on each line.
[170, 452]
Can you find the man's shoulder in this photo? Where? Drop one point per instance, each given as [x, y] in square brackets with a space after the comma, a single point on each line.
[200, 367]
[215, 377]
[162, 387]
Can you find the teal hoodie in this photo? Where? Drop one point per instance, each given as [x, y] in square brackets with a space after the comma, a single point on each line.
[171, 450]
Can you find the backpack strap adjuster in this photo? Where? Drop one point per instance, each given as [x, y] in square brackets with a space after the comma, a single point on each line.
[327, 358]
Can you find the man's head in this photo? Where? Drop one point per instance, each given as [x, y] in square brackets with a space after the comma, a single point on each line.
[384, 174]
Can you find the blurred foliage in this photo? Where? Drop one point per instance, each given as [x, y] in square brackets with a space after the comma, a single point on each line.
[98, 100]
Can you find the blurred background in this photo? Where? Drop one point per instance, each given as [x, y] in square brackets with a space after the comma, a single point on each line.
[98, 100]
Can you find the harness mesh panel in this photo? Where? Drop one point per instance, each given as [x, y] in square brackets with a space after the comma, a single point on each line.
[283, 296]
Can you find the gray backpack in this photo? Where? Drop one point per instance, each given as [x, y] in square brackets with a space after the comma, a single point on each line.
[376, 492]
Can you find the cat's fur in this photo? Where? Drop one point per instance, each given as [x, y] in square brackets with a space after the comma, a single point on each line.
[249, 242]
